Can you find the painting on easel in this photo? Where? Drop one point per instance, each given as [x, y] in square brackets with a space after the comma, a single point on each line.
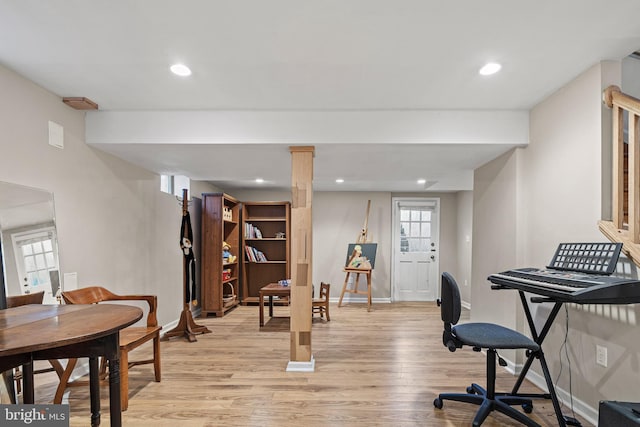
[361, 255]
[361, 258]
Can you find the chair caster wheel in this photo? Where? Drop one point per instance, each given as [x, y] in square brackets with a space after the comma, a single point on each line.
[527, 408]
[470, 390]
[437, 403]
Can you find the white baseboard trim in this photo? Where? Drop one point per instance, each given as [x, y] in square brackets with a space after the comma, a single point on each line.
[363, 300]
[309, 366]
[583, 409]
[168, 327]
[587, 412]
[172, 325]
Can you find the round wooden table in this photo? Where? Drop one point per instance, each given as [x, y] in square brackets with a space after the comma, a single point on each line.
[41, 332]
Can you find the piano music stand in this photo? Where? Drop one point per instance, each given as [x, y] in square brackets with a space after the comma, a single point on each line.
[590, 258]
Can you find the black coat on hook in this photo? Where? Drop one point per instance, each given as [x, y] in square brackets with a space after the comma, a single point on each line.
[186, 242]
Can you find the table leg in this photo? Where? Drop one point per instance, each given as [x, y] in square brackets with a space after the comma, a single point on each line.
[270, 305]
[261, 304]
[94, 390]
[27, 383]
[114, 392]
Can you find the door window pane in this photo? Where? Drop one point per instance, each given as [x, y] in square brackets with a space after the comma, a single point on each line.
[404, 243]
[415, 229]
[51, 261]
[27, 249]
[40, 263]
[29, 263]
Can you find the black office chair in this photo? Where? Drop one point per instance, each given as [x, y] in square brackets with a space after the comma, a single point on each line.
[480, 336]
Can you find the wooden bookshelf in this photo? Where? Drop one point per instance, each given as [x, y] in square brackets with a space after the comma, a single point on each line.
[220, 223]
[270, 218]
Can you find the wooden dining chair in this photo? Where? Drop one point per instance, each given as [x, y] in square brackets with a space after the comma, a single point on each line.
[320, 305]
[130, 338]
[26, 299]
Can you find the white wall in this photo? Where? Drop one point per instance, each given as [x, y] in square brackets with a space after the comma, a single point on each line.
[115, 228]
[557, 194]
[464, 202]
[337, 220]
[339, 216]
[494, 239]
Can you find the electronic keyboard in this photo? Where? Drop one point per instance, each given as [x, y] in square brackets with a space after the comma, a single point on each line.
[562, 285]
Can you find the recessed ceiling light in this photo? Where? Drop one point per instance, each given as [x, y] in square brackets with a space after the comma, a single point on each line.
[180, 70]
[422, 181]
[339, 180]
[259, 180]
[490, 68]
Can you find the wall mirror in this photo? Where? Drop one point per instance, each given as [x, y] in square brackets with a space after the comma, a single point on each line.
[29, 246]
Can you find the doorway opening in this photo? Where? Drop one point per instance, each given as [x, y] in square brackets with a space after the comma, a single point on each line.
[416, 238]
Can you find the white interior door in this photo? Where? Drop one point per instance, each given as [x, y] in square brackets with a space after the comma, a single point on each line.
[36, 258]
[416, 235]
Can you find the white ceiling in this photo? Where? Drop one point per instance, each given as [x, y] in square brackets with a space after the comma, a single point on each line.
[330, 55]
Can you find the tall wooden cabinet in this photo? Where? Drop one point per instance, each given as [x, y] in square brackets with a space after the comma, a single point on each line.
[266, 242]
[220, 277]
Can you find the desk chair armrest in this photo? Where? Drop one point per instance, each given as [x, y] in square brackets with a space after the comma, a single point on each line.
[450, 341]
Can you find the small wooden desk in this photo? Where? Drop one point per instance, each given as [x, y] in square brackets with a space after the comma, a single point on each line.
[358, 272]
[41, 332]
[271, 290]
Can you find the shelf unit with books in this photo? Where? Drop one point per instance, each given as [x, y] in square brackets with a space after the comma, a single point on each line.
[265, 240]
[220, 277]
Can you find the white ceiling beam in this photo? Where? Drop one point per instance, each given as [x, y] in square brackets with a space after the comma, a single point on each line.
[308, 127]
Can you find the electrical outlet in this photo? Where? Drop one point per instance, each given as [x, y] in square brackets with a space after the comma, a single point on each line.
[601, 355]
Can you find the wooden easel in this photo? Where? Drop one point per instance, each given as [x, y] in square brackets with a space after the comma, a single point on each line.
[187, 327]
[358, 272]
[362, 238]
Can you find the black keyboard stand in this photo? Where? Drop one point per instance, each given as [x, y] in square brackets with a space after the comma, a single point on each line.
[539, 337]
[538, 300]
[597, 259]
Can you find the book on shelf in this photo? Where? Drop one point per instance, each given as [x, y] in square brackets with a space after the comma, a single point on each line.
[249, 253]
[254, 255]
[251, 231]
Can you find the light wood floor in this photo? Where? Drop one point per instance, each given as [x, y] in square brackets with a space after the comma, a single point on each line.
[381, 368]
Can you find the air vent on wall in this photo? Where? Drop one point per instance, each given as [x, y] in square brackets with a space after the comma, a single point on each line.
[56, 135]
